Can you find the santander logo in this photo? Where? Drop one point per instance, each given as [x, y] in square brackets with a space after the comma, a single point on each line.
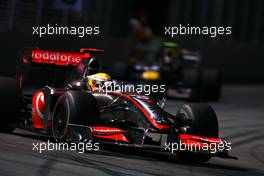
[107, 130]
[40, 104]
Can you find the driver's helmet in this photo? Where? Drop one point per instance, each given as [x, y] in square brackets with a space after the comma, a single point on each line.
[170, 49]
[96, 80]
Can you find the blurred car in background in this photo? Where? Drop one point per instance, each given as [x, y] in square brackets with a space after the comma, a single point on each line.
[179, 69]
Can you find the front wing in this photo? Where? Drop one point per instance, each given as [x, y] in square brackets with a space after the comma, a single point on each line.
[170, 142]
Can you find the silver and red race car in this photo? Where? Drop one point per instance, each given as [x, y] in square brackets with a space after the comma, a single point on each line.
[49, 96]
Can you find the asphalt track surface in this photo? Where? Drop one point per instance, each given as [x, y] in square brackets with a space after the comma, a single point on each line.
[241, 119]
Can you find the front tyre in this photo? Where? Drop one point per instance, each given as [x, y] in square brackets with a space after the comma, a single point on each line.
[74, 107]
[202, 121]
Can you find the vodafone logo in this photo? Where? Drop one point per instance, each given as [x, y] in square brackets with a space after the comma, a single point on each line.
[59, 58]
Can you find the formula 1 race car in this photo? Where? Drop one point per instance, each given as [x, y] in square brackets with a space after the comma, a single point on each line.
[50, 95]
[179, 69]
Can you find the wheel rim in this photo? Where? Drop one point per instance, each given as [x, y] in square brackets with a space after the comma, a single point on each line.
[185, 122]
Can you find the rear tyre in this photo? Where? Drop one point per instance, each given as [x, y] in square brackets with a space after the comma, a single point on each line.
[191, 79]
[211, 84]
[76, 108]
[202, 121]
[10, 101]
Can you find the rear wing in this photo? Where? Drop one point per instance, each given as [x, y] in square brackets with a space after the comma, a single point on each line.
[188, 55]
[40, 67]
[91, 50]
